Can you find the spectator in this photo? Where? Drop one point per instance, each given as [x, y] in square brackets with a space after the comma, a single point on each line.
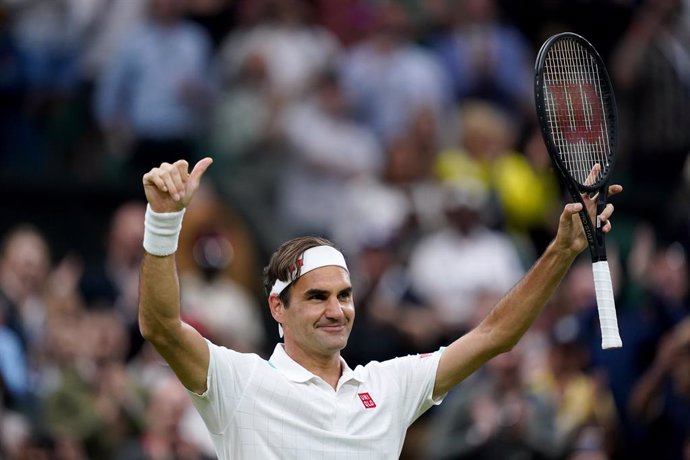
[495, 415]
[391, 81]
[111, 280]
[156, 90]
[651, 71]
[110, 23]
[89, 401]
[220, 305]
[50, 34]
[453, 267]
[330, 150]
[24, 267]
[523, 187]
[660, 398]
[164, 435]
[391, 320]
[487, 59]
[282, 33]
[583, 402]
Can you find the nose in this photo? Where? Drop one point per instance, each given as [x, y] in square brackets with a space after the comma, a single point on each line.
[333, 309]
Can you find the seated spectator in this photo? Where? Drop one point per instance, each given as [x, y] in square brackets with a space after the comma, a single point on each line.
[166, 432]
[660, 399]
[523, 184]
[494, 415]
[452, 268]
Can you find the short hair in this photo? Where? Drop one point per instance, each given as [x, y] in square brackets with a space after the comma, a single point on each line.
[284, 258]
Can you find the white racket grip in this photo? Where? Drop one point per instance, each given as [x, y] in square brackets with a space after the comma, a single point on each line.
[610, 338]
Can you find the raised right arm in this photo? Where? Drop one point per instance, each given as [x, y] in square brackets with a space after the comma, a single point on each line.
[169, 189]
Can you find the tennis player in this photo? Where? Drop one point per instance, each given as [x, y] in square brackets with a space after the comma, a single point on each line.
[305, 402]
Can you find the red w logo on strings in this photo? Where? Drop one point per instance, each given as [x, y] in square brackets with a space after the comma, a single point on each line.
[578, 112]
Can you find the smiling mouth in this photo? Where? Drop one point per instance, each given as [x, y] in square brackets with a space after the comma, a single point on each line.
[332, 327]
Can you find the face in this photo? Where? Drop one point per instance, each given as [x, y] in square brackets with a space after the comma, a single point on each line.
[319, 319]
[27, 261]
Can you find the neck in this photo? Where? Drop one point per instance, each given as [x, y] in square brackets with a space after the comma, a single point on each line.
[327, 367]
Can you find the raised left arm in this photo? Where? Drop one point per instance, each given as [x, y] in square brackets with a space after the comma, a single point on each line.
[510, 318]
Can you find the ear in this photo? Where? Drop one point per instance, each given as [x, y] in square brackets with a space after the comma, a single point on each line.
[277, 307]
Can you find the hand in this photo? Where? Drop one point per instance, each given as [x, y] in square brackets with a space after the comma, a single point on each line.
[571, 235]
[170, 187]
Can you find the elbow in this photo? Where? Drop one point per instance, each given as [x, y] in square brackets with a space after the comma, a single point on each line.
[156, 331]
[147, 331]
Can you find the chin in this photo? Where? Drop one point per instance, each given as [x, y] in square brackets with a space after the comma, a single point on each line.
[336, 343]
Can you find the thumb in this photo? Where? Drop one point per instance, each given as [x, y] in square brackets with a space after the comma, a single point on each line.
[199, 170]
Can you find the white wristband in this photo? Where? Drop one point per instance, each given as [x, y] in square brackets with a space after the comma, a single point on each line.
[161, 231]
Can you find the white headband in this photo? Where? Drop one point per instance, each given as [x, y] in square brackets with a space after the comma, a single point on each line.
[311, 259]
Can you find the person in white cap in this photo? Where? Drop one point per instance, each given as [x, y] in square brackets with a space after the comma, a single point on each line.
[304, 402]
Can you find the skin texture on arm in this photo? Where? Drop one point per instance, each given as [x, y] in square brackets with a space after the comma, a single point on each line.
[510, 318]
[168, 189]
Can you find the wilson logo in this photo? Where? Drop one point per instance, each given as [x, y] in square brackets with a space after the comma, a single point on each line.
[578, 112]
[367, 400]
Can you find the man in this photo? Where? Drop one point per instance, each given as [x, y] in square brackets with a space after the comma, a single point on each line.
[156, 89]
[305, 402]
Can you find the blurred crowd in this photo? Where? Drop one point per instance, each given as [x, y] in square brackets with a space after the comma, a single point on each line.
[402, 130]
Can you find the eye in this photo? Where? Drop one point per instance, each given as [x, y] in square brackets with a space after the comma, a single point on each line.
[317, 296]
[343, 296]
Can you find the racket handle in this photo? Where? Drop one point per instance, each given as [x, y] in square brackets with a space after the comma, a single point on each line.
[610, 338]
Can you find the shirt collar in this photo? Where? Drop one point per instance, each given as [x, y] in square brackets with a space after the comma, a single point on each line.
[295, 372]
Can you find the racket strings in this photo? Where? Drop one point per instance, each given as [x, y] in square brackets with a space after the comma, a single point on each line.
[577, 111]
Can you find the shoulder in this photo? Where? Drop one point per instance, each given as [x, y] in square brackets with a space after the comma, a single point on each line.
[225, 356]
[396, 366]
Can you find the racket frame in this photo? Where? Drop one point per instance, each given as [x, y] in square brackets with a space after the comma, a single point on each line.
[599, 189]
[595, 237]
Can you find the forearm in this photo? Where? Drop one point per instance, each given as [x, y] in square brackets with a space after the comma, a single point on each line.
[159, 298]
[507, 321]
[516, 311]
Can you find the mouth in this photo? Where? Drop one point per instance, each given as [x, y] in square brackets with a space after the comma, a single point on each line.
[332, 327]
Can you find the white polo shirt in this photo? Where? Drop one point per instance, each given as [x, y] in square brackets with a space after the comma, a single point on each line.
[276, 409]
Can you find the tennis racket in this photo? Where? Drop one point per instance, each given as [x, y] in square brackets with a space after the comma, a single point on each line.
[576, 110]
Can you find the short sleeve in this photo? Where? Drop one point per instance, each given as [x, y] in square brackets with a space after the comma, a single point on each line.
[416, 375]
[229, 374]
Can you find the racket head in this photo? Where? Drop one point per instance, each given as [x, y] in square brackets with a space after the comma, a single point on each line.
[576, 110]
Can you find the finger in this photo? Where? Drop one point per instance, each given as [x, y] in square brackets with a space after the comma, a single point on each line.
[607, 212]
[572, 208]
[152, 177]
[176, 178]
[615, 189]
[607, 227]
[182, 168]
[170, 184]
[199, 170]
[592, 177]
